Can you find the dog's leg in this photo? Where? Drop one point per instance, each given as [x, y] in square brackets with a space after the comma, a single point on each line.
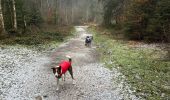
[71, 73]
[57, 84]
[63, 77]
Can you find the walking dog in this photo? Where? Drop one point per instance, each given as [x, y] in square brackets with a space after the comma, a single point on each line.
[88, 40]
[61, 69]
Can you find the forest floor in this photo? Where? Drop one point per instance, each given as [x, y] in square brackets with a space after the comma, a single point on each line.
[25, 73]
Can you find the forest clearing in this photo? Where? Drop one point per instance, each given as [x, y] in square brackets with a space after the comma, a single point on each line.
[126, 57]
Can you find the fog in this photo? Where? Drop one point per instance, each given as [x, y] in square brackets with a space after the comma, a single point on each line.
[71, 11]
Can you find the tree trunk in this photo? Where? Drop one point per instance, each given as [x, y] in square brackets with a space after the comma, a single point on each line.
[1, 19]
[87, 15]
[48, 5]
[59, 12]
[72, 12]
[66, 16]
[56, 12]
[14, 15]
[11, 14]
[25, 23]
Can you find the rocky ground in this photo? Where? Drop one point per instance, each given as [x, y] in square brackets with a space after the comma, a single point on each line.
[26, 74]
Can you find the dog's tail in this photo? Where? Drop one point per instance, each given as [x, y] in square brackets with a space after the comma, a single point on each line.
[69, 58]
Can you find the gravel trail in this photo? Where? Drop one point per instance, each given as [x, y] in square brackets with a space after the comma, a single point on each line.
[26, 74]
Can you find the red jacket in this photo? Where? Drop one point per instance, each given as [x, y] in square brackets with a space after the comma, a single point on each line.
[65, 65]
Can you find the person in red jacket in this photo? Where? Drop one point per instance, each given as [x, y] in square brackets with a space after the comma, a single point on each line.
[63, 67]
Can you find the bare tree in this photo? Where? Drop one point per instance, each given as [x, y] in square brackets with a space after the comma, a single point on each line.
[1, 19]
[14, 15]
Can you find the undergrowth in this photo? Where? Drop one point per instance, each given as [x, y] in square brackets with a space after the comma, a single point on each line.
[41, 37]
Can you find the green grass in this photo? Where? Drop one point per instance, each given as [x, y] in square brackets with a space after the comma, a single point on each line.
[150, 77]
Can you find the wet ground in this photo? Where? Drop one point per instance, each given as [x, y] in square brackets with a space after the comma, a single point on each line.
[26, 74]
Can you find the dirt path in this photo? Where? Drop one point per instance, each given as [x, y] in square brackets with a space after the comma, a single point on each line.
[33, 77]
